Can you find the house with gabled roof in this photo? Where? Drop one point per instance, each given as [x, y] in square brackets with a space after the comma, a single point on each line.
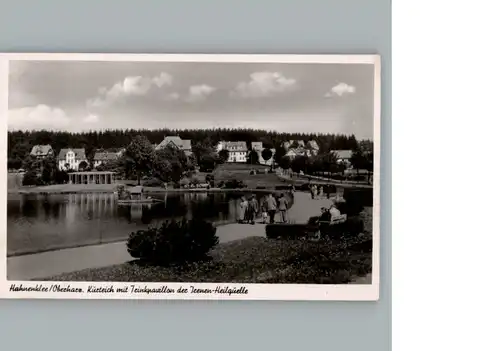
[70, 159]
[101, 157]
[313, 146]
[343, 156]
[176, 142]
[42, 151]
[291, 143]
[237, 150]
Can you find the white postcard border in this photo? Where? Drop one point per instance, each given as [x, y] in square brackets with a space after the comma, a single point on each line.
[220, 291]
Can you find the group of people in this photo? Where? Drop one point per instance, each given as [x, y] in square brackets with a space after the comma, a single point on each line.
[268, 207]
[317, 191]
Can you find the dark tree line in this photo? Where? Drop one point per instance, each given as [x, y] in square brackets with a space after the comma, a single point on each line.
[20, 142]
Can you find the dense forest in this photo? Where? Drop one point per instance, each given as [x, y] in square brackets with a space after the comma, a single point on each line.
[20, 142]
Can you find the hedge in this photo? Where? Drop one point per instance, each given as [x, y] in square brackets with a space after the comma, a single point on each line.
[352, 226]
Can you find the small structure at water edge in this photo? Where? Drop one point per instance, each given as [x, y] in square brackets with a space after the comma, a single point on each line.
[133, 195]
[136, 193]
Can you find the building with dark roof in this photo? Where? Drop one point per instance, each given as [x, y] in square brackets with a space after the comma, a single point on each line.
[102, 157]
[42, 151]
[176, 142]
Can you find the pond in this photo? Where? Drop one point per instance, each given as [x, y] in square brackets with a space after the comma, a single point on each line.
[38, 223]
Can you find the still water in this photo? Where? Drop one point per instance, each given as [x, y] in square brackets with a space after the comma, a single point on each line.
[46, 222]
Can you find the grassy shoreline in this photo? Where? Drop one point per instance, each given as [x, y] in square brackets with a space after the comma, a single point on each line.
[252, 260]
[256, 260]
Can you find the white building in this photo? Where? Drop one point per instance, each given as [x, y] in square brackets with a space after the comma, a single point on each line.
[71, 159]
[237, 150]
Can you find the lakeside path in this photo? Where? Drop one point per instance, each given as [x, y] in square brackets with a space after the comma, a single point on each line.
[47, 264]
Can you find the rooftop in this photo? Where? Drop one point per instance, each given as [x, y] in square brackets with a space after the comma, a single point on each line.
[79, 153]
[41, 149]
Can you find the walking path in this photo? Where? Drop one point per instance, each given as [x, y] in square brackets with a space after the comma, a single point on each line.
[46, 264]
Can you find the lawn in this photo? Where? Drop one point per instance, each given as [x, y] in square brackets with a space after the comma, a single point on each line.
[229, 171]
[252, 260]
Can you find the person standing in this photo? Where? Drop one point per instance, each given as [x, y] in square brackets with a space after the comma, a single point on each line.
[271, 207]
[242, 210]
[320, 192]
[311, 188]
[253, 209]
[283, 208]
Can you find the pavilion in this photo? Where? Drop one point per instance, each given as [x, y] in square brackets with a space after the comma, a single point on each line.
[92, 177]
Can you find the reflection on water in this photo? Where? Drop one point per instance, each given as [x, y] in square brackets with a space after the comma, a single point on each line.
[43, 222]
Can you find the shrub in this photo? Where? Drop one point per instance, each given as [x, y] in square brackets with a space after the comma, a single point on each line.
[61, 177]
[184, 182]
[210, 179]
[358, 178]
[153, 182]
[30, 178]
[234, 184]
[329, 189]
[174, 242]
[355, 200]
[352, 226]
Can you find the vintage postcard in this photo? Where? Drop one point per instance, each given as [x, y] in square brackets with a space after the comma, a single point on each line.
[178, 176]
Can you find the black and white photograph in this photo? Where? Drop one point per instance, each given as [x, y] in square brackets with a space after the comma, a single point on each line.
[190, 176]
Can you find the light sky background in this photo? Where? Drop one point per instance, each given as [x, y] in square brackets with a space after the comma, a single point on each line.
[287, 97]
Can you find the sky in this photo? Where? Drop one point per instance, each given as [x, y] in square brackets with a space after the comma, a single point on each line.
[285, 97]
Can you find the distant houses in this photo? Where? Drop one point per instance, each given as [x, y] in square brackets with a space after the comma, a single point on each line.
[70, 159]
[296, 148]
[42, 151]
[176, 142]
[237, 150]
[343, 156]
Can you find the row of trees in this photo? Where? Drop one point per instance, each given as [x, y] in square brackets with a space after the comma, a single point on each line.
[21, 142]
[325, 162]
[42, 171]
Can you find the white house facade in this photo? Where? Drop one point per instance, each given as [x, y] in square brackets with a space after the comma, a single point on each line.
[237, 150]
[70, 159]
